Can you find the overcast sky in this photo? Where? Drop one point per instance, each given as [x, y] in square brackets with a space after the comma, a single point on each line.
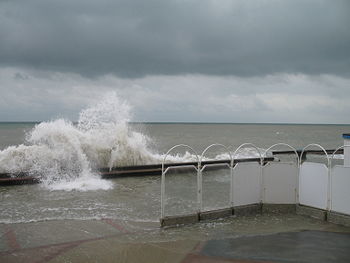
[176, 60]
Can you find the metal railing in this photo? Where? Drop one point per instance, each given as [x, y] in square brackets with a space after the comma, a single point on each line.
[231, 164]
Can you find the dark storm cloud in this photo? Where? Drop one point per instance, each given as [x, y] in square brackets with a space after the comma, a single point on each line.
[137, 38]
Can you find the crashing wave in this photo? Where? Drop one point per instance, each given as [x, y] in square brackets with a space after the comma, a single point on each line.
[60, 151]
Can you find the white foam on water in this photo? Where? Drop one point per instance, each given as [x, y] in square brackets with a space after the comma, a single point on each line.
[65, 155]
[82, 183]
[339, 156]
[243, 153]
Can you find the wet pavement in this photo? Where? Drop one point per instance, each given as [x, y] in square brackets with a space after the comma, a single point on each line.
[261, 238]
[303, 246]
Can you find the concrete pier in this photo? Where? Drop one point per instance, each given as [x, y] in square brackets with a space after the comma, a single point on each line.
[117, 172]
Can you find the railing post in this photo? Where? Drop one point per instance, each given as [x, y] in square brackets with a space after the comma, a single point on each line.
[231, 183]
[162, 195]
[199, 187]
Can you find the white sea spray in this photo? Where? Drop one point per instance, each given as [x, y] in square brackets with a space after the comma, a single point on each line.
[65, 155]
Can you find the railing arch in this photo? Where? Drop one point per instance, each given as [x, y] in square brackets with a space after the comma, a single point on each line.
[282, 144]
[336, 150]
[314, 145]
[211, 146]
[245, 145]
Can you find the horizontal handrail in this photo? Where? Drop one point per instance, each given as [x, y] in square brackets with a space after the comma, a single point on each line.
[307, 152]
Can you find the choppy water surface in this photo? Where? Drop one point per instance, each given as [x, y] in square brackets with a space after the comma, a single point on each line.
[66, 155]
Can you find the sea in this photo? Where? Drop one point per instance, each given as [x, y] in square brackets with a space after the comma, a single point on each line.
[65, 156]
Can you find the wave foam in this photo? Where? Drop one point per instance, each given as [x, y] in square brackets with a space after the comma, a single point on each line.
[65, 155]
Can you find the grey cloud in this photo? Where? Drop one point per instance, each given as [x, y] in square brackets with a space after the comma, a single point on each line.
[155, 37]
[31, 95]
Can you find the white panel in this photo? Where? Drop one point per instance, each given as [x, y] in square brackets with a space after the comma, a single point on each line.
[280, 182]
[313, 185]
[341, 189]
[246, 184]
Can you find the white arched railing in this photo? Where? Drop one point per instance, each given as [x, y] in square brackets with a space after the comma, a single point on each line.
[241, 180]
[230, 166]
[164, 171]
[314, 145]
[280, 180]
[282, 144]
[314, 181]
